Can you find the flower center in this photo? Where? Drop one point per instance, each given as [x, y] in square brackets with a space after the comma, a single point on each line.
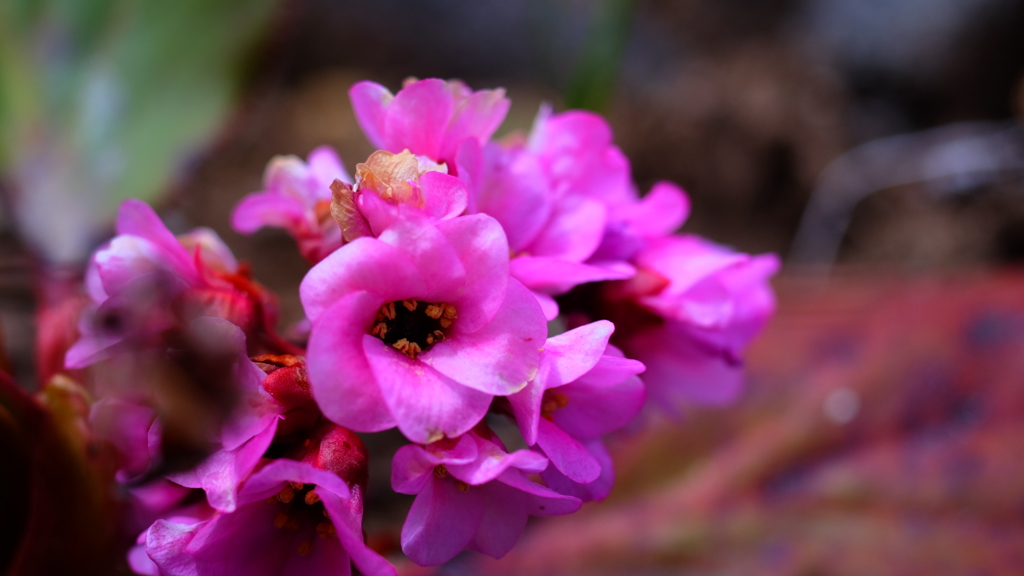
[552, 401]
[299, 506]
[412, 326]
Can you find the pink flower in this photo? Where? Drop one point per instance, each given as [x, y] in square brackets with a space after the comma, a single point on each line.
[470, 493]
[292, 518]
[419, 328]
[297, 197]
[389, 185]
[584, 389]
[700, 305]
[145, 282]
[428, 117]
[552, 233]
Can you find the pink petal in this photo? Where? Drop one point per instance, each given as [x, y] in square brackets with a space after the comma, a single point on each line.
[432, 253]
[574, 353]
[326, 167]
[166, 544]
[502, 356]
[418, 118]
[515, 192]
[567, 454]
[370, 102]
[543, 501]
[347, 519]
[136, 218]
[491, 461]
[476, 117]
[593, 491]
[573, 232]
[547, 305]
[412, 463]
[426, 404]
[340, 377]
[483, 251]
[504, 520]
[268, 209]
[661, 212]
[603, 400]
[527, 402]
[444, 196]
[220, 474]
[442, 521]
[554, 275]
[364, 264]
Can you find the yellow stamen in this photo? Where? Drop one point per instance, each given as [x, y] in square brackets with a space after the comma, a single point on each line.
[311, 498]
[410, 304]
[286, 494]
[440, 471]
[462, 486]
[434, 311]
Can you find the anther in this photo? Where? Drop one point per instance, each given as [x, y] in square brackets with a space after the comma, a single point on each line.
[305, 548]
[296, 485]
[280, 520]
[462, 486]
[311, 498]
[434, 311]
[286, 494]
[388, 310]
[380, 330]
[410, 304]
[440, 471]
[326, 530]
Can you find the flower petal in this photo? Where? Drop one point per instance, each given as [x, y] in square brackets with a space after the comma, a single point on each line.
[426, 404]
[502, 356]
[482, 249]
[370, 103]
[418, 118]
[567, 454]
[340, 377]
[442, 521]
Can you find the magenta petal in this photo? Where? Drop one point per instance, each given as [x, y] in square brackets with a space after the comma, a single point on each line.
[432, 253]
[363, 264]
[441, 522]
[444, 196]
[567, 454]
[346, 515]
[492, 461]
[476, 117]
[505, 513]
[605, 399]
[526, 403]
[412, 464]
[267, 209]
[556, 276]
[418, 118]
[502, 356]
[326, 166]
[576, 352]
[661, 212]
[220, 474]
[681, 371]
[593, 491]
[166, 544]
[370, 103]
[426, 404]
[469, 166]
[516, 193]
[573, 232]
[340, 377]
[544, 501]
[136, 218]
[482, 248]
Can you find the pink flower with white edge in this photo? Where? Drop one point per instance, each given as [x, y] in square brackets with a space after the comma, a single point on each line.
[420, 328]
[470, 493]
[388, 185]
[551, 234]
[584, 389]
[146, 281]
[428, 117]
[292, 518]
[689, 314]
[297, 198]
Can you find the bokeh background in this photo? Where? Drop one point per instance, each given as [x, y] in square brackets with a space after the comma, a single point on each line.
[876, 145]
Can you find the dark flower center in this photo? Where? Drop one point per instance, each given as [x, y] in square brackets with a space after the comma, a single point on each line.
[299, 508]
[412, 326]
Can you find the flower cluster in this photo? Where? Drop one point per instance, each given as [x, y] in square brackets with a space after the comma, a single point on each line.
[436, 270]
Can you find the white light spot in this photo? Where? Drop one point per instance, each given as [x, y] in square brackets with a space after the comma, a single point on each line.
[842, 405]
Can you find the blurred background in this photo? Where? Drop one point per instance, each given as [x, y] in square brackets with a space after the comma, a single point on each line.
[877, 146]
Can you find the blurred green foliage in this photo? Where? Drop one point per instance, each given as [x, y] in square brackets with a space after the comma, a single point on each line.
[102, 100]
[597, 71]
